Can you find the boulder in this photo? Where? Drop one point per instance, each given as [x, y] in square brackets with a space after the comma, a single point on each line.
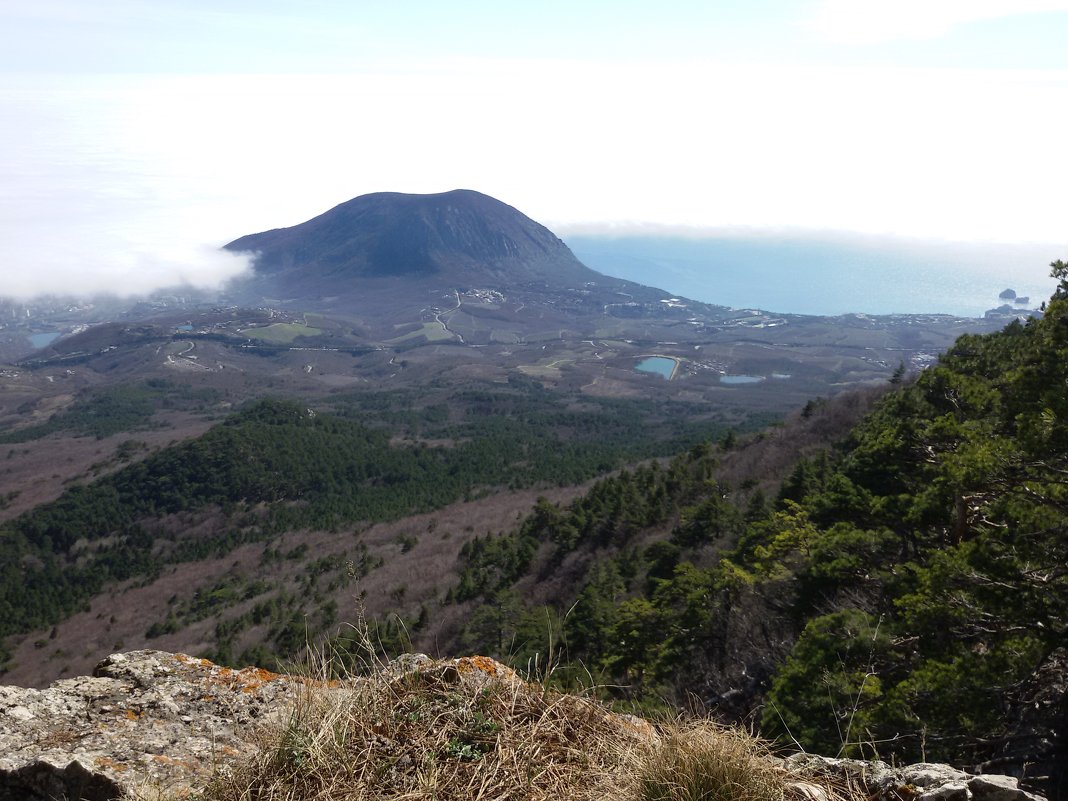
[920, 782]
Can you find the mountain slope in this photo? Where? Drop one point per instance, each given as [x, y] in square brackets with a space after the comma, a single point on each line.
[906, 594]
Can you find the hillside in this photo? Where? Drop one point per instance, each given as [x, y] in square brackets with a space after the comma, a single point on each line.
[244, 539]
[903, 593]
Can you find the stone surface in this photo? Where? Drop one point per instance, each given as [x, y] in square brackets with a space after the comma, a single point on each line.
[143, 717]
[928, 775]
[946, 791]
[806, 791]
[997, 788]
[922, 782]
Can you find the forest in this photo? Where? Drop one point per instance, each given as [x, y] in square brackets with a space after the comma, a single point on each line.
[904, 593]
[280, 465]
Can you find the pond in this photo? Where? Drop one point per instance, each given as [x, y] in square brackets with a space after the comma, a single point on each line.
[740, 379]
[43, 340]
[661, 365]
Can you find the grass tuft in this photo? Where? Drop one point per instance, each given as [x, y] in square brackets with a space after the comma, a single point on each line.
[701, 761]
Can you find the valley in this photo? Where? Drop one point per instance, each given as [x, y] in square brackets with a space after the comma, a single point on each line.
[485, 335]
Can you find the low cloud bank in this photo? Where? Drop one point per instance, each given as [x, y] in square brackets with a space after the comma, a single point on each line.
[66, 272]
[624, 229]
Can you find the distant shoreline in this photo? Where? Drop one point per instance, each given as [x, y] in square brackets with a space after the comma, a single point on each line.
[825, 278]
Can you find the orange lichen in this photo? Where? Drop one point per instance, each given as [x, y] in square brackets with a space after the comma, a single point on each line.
[251, 679]
[133, 714]
[246, 680]
[195, 661]
[105, 762]
[483, 664]
[181, 763]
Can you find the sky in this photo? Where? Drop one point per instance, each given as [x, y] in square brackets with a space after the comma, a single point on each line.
[138, 136]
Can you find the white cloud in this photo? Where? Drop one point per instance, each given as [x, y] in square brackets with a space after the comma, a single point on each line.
[120, 182]
[84, 210]
[87, 266]
[873, 21]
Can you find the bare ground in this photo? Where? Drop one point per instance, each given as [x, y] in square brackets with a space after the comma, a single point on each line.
[40, 470]
[420, 554]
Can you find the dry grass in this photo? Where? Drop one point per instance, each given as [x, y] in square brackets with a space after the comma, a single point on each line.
[471, 730]
[700, 761]
[444, 731]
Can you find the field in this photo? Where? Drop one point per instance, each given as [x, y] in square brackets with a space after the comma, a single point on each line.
[282, 333]
[432, 332]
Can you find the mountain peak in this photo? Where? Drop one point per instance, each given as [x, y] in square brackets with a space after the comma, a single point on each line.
[459, 237]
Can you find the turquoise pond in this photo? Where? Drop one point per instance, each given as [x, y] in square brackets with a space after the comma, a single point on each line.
[660, 365]
[43, 340]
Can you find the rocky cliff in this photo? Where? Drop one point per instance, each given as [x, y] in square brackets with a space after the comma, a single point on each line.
[153, 724]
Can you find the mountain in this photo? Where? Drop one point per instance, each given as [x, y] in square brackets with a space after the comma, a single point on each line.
[454, 287]
[460, 239]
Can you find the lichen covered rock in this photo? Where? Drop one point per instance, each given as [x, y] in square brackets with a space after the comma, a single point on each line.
[144, 717]
[921, 782]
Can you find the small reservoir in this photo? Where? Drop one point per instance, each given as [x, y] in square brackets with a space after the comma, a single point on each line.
[661, 365]
[43, 340]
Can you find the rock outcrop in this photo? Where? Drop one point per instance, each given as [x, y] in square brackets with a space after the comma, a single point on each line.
[923, 782]
[142, 717]
[169, 722]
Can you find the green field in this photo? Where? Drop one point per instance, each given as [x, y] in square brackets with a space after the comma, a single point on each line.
[432, 331]
[282, 333]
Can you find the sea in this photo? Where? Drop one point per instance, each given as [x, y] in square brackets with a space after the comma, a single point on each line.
[832, 276]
